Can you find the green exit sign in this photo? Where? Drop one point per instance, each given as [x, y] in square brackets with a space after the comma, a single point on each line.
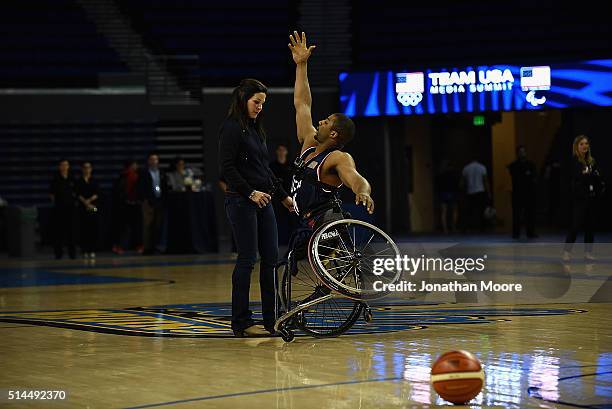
[479, 120]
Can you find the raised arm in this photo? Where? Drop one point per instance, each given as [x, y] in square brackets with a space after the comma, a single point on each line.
[344, 165]
[302, 99]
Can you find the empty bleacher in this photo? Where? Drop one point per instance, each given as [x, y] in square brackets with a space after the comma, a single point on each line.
[52, 44]
[232, 39]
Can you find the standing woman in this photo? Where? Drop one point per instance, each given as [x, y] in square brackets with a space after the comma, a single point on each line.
[244, 166]
[87, 191]
[586, 185]
[62, 192]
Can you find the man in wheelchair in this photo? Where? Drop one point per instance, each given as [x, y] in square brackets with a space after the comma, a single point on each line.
[322, 167]
[319, 171]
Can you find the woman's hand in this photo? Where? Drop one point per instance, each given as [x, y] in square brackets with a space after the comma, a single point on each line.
[288, 203]
[261, 199]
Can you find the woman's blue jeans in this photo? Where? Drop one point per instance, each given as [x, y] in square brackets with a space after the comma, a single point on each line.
[254, 230]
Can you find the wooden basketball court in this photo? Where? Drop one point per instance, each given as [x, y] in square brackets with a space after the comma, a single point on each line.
[148, 332]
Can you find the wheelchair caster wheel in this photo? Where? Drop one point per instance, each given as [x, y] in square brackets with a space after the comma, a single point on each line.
[286, 335]
[367, 315]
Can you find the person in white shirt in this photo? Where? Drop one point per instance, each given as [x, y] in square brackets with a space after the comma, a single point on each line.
[475, 183]
[180, 178]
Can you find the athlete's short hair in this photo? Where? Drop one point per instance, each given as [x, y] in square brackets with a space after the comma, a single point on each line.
[344, 126]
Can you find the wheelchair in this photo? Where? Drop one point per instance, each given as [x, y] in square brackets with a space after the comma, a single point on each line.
[327, 276]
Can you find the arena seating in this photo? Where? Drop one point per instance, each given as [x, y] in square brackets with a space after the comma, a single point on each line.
[52, 44]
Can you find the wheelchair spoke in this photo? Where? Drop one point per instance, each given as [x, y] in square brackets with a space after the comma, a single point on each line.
[369, 240]
[345, 246]
[335, 248]
[379, 252]
[337, 258]
[341, 279]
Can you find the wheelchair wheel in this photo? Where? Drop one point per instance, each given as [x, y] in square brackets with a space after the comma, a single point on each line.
[328, 318]
[342, 253]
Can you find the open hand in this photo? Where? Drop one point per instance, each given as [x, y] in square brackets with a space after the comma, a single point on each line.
[299, 50]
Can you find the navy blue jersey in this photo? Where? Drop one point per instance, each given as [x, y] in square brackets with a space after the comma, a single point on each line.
[307, 189]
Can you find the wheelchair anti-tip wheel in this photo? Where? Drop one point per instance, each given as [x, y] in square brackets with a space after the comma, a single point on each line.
[286, 334]
[343, 253]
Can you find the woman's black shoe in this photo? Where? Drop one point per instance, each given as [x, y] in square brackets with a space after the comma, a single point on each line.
[252, 331]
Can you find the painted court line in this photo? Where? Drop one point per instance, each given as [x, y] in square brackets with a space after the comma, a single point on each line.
[259, 392]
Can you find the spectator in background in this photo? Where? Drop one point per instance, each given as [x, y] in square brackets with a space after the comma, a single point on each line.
[151, 188]
[448, 188]
[523, 173]
[587, 186]
[285, 221]
[477, 195]
[127, 209]
[180, 179]
[280, 166]
[62, 192]
[87, 191]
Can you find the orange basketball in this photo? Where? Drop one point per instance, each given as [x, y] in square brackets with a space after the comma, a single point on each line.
[457, 376]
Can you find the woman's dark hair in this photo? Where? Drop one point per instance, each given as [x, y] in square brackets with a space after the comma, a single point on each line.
[238, 106]
[175, 162]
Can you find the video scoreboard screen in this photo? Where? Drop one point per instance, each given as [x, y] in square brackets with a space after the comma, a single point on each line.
[476, 89]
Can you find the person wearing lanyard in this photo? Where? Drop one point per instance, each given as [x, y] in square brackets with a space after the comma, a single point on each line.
[88, 192]
[251, 184]
[151, 183]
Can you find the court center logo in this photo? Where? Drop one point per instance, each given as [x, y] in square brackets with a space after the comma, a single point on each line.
[213, 320]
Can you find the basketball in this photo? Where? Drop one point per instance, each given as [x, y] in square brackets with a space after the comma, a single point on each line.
[457, 376]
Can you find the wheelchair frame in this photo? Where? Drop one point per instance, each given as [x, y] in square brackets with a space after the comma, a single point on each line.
[293, 318]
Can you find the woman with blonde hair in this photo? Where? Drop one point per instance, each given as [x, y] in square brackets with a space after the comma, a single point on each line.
[586, 185]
